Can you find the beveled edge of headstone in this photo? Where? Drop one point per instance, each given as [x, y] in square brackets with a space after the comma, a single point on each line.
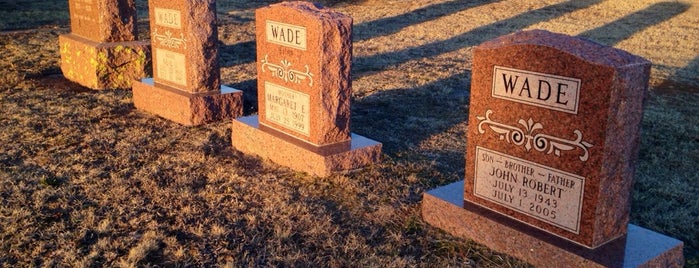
[583, 48]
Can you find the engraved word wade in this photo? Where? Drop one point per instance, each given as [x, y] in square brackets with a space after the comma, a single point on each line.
[168, 18]
[542, 90]
[286, 34]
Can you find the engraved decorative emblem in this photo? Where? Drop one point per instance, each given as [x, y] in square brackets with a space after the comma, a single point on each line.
[284, 72]
[540, 141]
[169, 41]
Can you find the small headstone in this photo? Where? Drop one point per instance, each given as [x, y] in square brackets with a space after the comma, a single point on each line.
[102, 50]
[553, 139]
[186, 84]
[304, 59]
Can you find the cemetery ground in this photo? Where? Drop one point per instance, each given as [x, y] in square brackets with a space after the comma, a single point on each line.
[87, 180]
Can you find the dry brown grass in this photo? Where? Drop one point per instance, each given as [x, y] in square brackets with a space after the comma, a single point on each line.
[88, 181]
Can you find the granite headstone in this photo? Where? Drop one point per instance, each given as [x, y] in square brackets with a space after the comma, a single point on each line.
[304, 59]
[553, 139]
[102, 50]
[186, 84]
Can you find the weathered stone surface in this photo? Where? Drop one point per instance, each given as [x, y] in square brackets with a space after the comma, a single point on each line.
[101, 51]
[186, 85]
[103, 20]
[189, 109]
[247, 137]
[103, 65]
[553, 133]
[184, 38]
[304, 54]
[443, 208]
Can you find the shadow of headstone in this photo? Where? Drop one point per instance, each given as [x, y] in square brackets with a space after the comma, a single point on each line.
[386, 26]
[623, 28]
[365, 65]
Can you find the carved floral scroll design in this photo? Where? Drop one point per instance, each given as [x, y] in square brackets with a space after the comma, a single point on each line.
[527, 137]
[285, 72]
[169, 41]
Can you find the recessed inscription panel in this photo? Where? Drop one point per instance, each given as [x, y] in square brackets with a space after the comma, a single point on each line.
[168, 18]
[542, 192]
[286, 34]
[288, 108]
[171, 66]
[543, 90]
[83, 14]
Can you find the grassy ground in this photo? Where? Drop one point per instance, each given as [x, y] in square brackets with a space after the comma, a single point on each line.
[87, 180]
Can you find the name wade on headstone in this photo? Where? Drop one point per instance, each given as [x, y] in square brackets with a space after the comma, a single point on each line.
[186, 86]
[296, 71]
[304, 54]
[102, 51]
[553, 133]
[553, 137]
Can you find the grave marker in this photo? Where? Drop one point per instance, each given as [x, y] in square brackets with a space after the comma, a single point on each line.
[186, 85]
[102, 50]
[553, 140]
[304, 54]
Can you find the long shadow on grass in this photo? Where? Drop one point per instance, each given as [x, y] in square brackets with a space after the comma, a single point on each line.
[402, 118]
[386, 26]
[365, 65]
[619, 30]
[685, 79]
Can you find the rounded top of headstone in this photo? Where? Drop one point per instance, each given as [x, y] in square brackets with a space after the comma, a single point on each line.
[310, 8]
[576, 46]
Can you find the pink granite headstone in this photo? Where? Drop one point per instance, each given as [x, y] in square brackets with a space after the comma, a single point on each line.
[186, 85]
[102, 50]
[304, 54]
[553, 138]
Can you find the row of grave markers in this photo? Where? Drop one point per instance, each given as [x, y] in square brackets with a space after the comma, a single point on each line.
[553, 126]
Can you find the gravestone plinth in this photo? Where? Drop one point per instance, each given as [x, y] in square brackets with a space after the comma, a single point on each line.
[186, 86]
[304, 59]
[553, 136]
[102, 51]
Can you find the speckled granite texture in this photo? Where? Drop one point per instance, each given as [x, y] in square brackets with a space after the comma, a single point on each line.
[186, 84]
[311, 54]
[564, 105]
[443, 208]
[101, 51]
[248, 138]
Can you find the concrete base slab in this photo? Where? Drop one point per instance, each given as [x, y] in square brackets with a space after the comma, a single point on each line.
[444, 208]
[186, 108]
[249, 137]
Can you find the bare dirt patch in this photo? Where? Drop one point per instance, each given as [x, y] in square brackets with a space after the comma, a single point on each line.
[87, 180]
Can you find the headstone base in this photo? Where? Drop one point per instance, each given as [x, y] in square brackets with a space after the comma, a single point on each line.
[186, 108]
[251, 138]
[444, 208]
[103, 65]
